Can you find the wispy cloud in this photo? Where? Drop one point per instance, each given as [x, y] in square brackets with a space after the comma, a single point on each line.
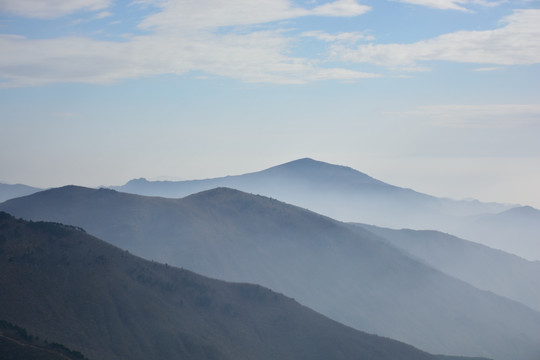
[183, 37]
[347, 37]
[103, 15]
[460, 5]
[48, 9]
[228, 38]
[341, 8]
[517, 42]
[255, 57]
[211, 14]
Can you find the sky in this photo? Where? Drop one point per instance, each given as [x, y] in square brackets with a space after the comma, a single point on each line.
[442, 96]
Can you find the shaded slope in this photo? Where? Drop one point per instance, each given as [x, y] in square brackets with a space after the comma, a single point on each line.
[485, 268]
[63, 283]
[17, 344]
[354, 278]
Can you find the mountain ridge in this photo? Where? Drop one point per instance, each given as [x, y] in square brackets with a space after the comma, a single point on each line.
[353, 278]
[349, 195]
[62, 282]
[486, 268]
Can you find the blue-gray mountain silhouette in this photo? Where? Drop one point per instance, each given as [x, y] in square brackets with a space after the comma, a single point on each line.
[349, 195]
[355, 278]
[64, 284]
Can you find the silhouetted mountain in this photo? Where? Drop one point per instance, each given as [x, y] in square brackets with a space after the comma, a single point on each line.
[485, 268]
[64, 284]
[349, 195]
[352, 277]
[337, 191]
[8, 191]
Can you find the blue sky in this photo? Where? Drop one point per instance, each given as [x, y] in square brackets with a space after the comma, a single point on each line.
[441, 96]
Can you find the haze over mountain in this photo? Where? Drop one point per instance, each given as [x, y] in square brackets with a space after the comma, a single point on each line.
[485, 268]
[516, 230]
[349, 195]
[8, 191]
[354, 278]
[298, 181]
[61, 283]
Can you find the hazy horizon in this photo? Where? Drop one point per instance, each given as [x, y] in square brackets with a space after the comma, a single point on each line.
[418, 185]
[437, 96]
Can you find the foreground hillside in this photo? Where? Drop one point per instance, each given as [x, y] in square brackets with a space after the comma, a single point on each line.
[63, 284]
[354, 278]
[17, 344]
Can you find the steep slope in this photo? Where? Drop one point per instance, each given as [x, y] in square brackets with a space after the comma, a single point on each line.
[353, 278]
[62, 283]
[8, 191]
[485, 268]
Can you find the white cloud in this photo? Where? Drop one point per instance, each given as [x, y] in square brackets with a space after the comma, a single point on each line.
[452, 4]
[211, 14]
[348, 37]
[517, 42]
[341, 8]
[439, 4]
[185, 37]
[48, 9]
[255, 57]
[103, 14]
[479, 116]
[340, 74]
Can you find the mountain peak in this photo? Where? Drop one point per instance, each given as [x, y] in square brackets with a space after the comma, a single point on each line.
[319, 171]
[306, 163]
[219, 192]
[522, 211]
[140, 180]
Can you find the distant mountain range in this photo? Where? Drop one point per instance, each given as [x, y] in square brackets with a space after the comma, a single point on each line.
[349, 195]
[354, 277]
[63, 284]
[8, 191]
[324, 188]
[485, 268]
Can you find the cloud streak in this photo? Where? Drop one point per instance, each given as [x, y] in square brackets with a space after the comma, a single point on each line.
[184, 36]
[255, 57]
[230, 39]
[49, 9]
[451, 4]
[212, 14]
[516, 43]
